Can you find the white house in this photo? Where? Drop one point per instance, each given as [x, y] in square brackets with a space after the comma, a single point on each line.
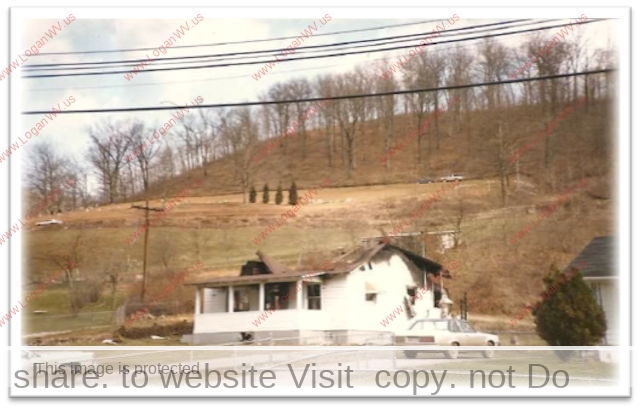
[344, 303]
[600, 273]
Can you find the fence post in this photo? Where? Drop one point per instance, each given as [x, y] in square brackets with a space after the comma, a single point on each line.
[270, 350]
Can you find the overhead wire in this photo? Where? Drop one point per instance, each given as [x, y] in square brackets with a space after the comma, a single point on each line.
[316, 99]
[257, 53]
[127, 50]
[297, 59]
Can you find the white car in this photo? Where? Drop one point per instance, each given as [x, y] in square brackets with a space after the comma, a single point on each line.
[451, 178]
[49, 222]
[64, 361]
[445, 332]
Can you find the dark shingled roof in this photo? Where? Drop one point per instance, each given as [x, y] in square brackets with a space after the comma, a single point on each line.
[597, 258]
[344, 265]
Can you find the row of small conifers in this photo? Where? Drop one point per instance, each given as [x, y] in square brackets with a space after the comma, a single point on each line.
[293, 194]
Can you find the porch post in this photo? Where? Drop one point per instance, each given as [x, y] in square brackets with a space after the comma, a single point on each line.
[230, 299]
[299, 285]
[198, 300]
[261, 297]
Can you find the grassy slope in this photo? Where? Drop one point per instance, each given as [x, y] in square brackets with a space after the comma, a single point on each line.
[217, 228]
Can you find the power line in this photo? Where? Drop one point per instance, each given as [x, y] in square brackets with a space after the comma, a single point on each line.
[279, 72]
[300, 58]
[315, 99]
[406, 37]
[36, 90]
[125, 50]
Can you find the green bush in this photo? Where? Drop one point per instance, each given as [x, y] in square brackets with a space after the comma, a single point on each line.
[265, 194]
[568, 314]
[279, 196]
[252, 195]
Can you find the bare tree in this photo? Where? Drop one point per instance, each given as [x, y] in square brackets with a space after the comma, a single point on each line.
[328, 115]
[550, 63]
[494, 67]
[418, 76]
[107, 154]
[282, 113]
[206, 139]
[386, 109]
[241, 132]
[46, 173]
[300, 89]
[350, 113]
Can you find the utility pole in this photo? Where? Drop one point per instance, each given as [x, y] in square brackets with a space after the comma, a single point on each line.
[146, 210]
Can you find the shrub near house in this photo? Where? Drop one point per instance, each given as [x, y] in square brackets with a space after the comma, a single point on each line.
[572, 317]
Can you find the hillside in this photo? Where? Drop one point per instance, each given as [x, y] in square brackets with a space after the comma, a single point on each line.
[214, 225]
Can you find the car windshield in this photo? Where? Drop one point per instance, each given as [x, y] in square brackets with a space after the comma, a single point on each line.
[465, 326]
[430, 325]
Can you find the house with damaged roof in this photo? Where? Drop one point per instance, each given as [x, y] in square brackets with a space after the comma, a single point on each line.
[341, 303]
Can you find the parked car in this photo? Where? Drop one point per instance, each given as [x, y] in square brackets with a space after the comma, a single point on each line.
[49, 222]
[425, 180]
[451, 178]
[445, 332]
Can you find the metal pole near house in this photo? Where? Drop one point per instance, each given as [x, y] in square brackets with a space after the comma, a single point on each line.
[464, 309]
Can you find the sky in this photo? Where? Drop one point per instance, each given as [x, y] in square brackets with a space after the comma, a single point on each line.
[214, 85]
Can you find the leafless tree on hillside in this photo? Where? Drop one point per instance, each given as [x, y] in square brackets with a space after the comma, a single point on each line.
[349, 114]
[166, 168]
[436, 65]
[107, 152]
[418, 76]
[551, 63]
[241, 131]
[301, 89]
[47, 171]
[282, 113]
[325, 87]
[386, 109]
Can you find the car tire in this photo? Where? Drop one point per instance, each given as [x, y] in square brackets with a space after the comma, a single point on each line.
[411, 354]
[453, 353]
[489, 353]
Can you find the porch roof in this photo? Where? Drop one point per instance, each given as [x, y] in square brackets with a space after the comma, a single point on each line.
[252, 279]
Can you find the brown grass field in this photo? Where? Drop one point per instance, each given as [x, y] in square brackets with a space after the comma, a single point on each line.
[215, 226]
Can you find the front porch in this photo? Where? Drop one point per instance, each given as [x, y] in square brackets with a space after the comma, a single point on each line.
[268, 306]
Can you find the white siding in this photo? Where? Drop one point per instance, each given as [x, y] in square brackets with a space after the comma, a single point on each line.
[391, 278]
[343, 304]
[244, 321]
[607, 297]
[334, 301]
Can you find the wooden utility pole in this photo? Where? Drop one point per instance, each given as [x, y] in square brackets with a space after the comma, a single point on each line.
[146, 242]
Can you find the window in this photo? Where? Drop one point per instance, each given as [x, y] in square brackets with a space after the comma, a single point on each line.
[246, 298]
[313, 297]
[431, 325]
[275, 296]
[465, 327]
[412, 294]
[370, 297]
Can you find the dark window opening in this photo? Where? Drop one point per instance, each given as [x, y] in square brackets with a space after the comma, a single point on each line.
[437, 295]
[412, 295]
[370, 297]
[273, 296]
[313, 297]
